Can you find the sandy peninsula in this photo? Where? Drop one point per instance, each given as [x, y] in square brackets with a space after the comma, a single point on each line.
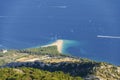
[58, 43]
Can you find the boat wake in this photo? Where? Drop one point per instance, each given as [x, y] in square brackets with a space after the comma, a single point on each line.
[112, 37]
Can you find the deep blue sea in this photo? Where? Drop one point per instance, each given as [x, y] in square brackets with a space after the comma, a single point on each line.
[29, 23]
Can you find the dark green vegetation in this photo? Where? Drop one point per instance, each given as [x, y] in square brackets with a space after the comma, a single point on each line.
[86, 70]
[33, 74]
[74, 69]
[41, 50]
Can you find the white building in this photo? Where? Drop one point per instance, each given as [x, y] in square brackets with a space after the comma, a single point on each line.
[4, 50]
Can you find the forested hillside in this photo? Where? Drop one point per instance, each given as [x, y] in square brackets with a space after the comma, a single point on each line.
[33, 74]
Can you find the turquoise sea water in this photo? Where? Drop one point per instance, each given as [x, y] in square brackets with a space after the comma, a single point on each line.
[67, 44]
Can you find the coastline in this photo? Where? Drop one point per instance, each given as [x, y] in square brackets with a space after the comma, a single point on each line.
[62, 45]
[59, 43]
